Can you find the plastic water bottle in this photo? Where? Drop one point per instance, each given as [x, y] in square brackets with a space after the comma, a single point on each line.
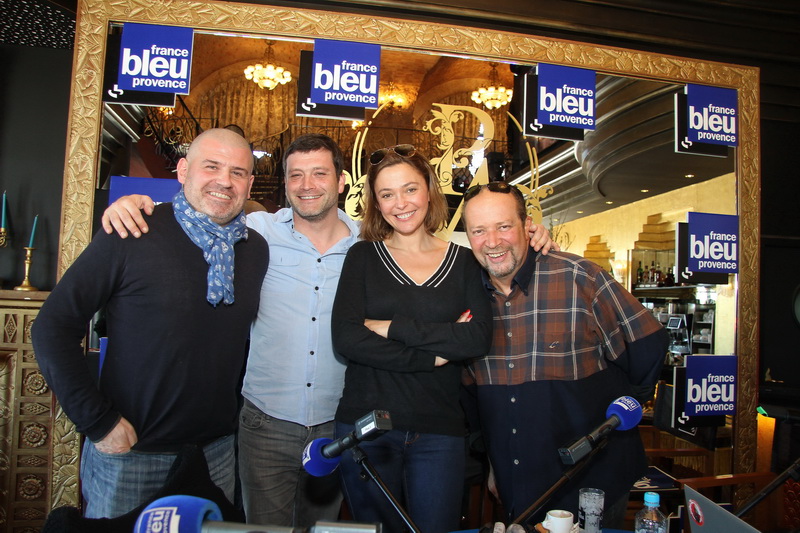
[650, 519]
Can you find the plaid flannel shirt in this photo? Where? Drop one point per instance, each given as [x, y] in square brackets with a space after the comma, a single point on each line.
[565, 319]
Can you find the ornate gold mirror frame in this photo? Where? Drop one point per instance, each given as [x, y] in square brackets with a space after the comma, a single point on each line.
[86, 114]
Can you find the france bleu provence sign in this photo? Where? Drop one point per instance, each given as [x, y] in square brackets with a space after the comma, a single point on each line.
[155, 58]
[710, 385]
[305, 105]
[559, 102]
[346, 73]
[706, 120]
[713, 243]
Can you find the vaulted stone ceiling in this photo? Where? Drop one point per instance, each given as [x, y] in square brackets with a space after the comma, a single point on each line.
[51, 23]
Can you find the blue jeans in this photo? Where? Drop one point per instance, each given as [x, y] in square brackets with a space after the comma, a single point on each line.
[423, 471]
[276, 490]
[113, 484]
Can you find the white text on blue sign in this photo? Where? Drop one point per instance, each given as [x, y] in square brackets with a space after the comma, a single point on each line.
[713, 394]
[345, 73]
[155, 58]
[347, 82]
[566, 96]
[713, 240]
[710, 385]
[712, 114]
[715, 250]
[159, 62]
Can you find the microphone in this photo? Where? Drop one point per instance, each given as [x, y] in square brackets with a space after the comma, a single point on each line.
[190, 514]
[322, 456]
[623, 414]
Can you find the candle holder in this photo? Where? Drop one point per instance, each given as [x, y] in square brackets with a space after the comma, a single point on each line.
[3, 237]
[26, 284]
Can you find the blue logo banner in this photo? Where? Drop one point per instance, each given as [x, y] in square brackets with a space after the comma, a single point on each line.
[155, 58]
[159, 189]
[346, 74]
[306, 107]
[713, 115]
[710, 385]
[566, 96]
[713, 243]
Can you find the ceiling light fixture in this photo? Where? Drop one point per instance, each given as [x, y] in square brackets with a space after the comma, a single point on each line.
[495, 95]
[393, 97]
[269, 76]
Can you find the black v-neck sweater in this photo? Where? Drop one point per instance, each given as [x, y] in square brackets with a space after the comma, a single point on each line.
[397, 374]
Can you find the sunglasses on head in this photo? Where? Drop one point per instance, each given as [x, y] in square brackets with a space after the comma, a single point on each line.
[493, 186]
[403, 150]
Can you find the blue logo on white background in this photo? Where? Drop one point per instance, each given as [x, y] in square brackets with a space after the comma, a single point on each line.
[710, 385]
[346, 73]
[713, 243]
[713, 115]
[566, 96]
[155, 58]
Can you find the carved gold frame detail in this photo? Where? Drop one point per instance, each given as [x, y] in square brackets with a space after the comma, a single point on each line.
[86, 106]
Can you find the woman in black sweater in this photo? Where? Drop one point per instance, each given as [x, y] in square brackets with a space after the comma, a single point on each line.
[409, 309]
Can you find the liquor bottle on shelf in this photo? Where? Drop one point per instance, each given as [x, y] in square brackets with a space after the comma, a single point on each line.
[651, 276]
[639, 274]
[669, 279]
[659, 276]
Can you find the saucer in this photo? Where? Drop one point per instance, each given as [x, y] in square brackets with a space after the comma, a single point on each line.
[541, 529]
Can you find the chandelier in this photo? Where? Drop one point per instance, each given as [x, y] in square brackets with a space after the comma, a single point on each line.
[269, 76]
[393, 97]
[495, 95]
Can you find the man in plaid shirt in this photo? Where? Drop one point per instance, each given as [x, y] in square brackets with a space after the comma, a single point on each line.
[568, 340]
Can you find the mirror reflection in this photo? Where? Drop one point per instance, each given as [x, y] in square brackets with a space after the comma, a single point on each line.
[624, 170]
[629, 157]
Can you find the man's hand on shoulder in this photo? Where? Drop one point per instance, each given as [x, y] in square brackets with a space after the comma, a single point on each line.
[119, 440]
[125, 215]
[540, 239]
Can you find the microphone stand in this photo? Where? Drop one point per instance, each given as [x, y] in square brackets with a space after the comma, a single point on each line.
[361, 458]
[539, 504]
[793, 471]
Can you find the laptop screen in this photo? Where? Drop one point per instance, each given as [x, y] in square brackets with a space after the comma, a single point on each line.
[705, 515]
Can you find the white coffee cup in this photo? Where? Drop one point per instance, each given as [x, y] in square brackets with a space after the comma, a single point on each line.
[558, 521]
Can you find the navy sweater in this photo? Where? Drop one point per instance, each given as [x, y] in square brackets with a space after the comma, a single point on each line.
[174, 361]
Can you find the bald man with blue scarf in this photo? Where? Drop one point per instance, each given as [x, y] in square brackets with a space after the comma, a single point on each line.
[179, 303]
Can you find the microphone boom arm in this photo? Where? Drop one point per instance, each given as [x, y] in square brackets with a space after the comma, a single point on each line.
[573, 453]
[539, 504]
[361, 458]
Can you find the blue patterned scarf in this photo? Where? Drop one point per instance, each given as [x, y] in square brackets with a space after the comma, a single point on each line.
[217, 244]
